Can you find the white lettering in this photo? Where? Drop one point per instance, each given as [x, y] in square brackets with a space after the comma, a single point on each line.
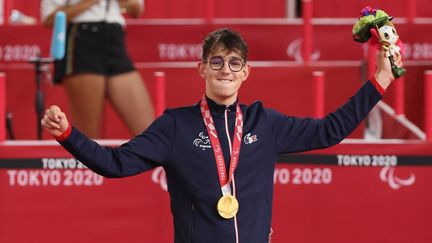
[61, 163]
[22, 178]
[45, 176]
[13, 53]
[302, 176]
[11, 174]
[33, 178]
[418, 51]
[54, 178]
[367, 160]
[179, 51]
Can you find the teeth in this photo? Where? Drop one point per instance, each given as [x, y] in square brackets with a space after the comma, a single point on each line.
[225, 80]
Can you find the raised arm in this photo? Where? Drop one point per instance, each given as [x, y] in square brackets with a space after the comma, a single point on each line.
[150, 149]
[301, 134]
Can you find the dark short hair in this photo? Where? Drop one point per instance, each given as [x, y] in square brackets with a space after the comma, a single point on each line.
[230, 39]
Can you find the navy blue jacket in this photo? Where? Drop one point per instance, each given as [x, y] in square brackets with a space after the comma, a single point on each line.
[178, 141]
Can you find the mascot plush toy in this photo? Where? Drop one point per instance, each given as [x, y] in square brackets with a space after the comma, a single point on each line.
[376, 23]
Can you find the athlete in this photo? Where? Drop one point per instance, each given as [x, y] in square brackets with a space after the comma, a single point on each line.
[219, 155]
[96, 66]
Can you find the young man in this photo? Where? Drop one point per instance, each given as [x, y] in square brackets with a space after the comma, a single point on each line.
[221, 185]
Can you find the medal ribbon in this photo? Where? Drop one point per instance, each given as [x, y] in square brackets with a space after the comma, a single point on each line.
[224, 180]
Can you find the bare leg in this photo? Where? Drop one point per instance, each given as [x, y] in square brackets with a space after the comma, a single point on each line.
[129, 96]
[86, 94]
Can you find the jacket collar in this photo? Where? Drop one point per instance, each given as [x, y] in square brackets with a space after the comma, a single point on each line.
[217, 108]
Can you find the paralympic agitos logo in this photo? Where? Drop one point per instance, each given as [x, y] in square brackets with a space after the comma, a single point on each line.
[202, 142]
[387, 174]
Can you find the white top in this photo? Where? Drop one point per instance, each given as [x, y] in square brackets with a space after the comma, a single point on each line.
[95, 13]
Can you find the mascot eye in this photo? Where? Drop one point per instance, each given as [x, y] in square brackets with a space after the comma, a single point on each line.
[394, 32]
[386, 35]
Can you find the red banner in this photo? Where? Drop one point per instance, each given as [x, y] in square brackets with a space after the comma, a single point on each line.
[349, 193]
[273, 41]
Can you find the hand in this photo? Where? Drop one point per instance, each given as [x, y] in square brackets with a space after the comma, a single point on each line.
[55, 121]
[132, 7]
[383, 74]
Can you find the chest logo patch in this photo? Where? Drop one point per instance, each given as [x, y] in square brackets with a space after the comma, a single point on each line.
[249, 138]
[203, 142]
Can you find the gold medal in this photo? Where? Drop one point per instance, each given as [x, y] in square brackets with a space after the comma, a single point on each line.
[227, 206]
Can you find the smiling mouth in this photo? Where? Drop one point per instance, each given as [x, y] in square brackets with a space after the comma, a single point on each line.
[225, 80]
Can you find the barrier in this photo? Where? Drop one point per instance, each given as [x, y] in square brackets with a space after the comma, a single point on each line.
[428, 105]
[412, 11]
[160, 93]
[399, 87]
[307, 12]
[2, 107]
[210, 11]
[319, 93]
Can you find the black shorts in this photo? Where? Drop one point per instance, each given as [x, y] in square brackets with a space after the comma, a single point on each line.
[97, 48]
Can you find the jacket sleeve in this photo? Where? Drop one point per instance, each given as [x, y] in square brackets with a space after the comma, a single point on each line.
[142, 153]
[294, 134]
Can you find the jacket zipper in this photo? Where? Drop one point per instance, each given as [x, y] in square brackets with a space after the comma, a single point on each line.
[233, 181]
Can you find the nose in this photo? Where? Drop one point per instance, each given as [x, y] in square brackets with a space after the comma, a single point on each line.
[225, 68]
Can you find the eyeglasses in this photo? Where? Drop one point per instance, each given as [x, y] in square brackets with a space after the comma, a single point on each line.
[234, 64]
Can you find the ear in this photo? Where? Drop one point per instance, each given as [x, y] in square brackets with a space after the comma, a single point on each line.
[201, 69]
[246, 71]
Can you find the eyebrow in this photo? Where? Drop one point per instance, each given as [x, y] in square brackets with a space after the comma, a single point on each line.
[230, 58]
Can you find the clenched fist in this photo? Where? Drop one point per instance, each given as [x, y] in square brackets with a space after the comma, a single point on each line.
[55, 121]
